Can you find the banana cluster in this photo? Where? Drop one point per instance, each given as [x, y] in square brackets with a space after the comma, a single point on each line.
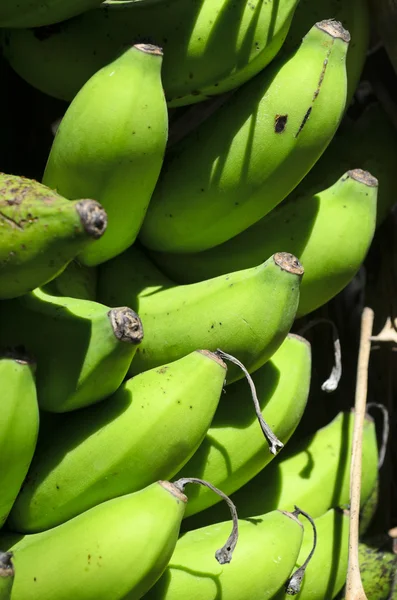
[136, 268]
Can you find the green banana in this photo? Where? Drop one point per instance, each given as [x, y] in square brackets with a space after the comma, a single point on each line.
[369, 508]
[19, 425]
[326, 571]
[71, 473]
[313, 474]
[83, 349]
[6, 575]
[244, 160]
[41, 232]
[117, 550]
[234, 449]
[35, 13]
[318, 229]
[114, 155]
[76, 281]
[210, 46]
[246, 314]
[265, 555]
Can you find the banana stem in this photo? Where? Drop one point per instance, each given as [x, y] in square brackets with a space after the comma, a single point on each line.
[354, 586]
[294, 583]
[274, 443]
[224, 554]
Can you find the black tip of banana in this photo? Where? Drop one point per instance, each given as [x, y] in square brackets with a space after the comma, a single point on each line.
[126, 324]
[335, 29]
[93, 217]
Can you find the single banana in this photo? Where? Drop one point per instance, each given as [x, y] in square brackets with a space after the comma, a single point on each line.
[6, 575]
[369, 508]
[378, 567]
[71, 472]
[318, 229]
[245, 159]
[114, 155]
[83, 349]
[265, 555]
[210, 46]
[116, 550]
[234, 449]
[41, 232]
[246, 314]
[19, 425]
[326, 572]
[77, 281]
[35, 13]
[314, 474]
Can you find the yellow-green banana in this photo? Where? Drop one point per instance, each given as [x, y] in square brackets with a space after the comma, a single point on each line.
[244, 159]
[35, 13]
[77, 281]
[6, 575]
[41, 232]
[234, 449]
[147, 430]
[19, 424]
[116, 550]
[265, 555]
[114, 155]
[246, 313]
[329, 232]
[314, 474]
[83, 349]
[210, 46]
[326, 572]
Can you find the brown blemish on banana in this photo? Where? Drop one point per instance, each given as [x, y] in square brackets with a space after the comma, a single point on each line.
[363, 177]
[214, 356]
[149, 49]
[6, 566]
[280, 122]
[126, 325]
[288, 262]
[170, 487]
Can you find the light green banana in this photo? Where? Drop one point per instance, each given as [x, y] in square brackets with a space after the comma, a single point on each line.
[234, 449]
[6, 575]
[108, 450]
[114, 155]
[210, 46]
[245, 159]
[76, 281]
[246, 314]
[35, 13]
[329, 232]
[326, 571]
[83, 349]
[41, 232]
[19, 425]
[314, 474]
[116, 550]
[265, 555]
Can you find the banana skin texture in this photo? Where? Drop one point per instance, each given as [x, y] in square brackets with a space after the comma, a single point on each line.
[41, 232]
[35, 13]
[245, 159]
[114, 156]
[266, 551]
[234, 449]
[210, 46]
[83, 349]
[329, 232]
[378, 567]
[107, 450]
[19, 425]
[246, 313]
[314, 474]
[326, 572]
[6, 575]
[118, 549]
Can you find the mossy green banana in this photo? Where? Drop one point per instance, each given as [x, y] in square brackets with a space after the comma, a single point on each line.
[246, 158]
[35, 13]
[234, 449]
[117, 550]
[107, 450]
[19, 425]
[83, 349]
[246, 313]
[76, 281]
[41, 232]
[313, 473]
[265, 555]
[318, 229]
[326, 571]
[114, 156]
[210, 46]
[6, 575]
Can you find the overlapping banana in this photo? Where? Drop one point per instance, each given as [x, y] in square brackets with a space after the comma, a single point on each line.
[76, 281]
[247, 313]
[35, 13]
[210, 46]
[83, 349]
[114, 156]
